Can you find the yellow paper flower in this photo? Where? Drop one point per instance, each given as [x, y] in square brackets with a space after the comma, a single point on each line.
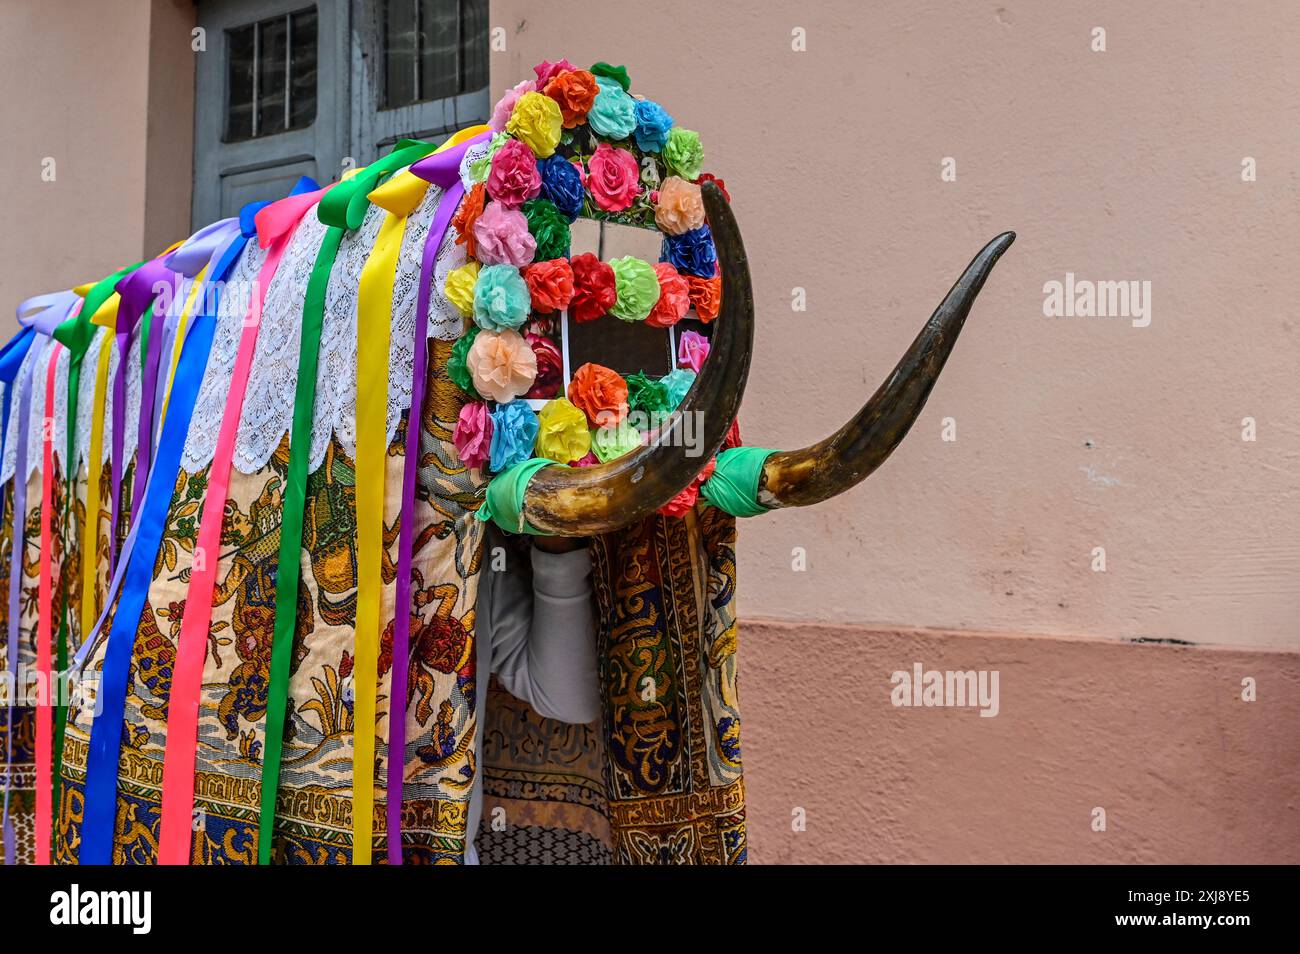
[563, 436]
[459, 287]
[536, 122]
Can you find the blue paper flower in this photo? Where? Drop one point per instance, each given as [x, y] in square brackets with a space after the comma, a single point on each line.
[514, 431]
[562, 184]
[501, 298]
[691, 253]
[613, 114]
[652, 125]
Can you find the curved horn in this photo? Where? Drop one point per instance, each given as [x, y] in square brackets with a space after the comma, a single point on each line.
[809, 476]
[572, 501]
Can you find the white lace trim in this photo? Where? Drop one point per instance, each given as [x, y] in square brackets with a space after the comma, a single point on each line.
[232, 307]
[114, 358]
[267, 413]
[25, 374]
[36, 432]
[134, 373]
[86, 394]
[472, 154]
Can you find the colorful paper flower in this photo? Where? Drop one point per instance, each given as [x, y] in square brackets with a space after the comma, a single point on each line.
[587, 460]
[503, 237]
[550, 367]
[613, 114]
[459, 287]
[506, 104]
[562, 435]
[682, 153]
[468, 213]
[514, 432]
[652, 125]
[679, 207]
[599, 393]
[647, 395]
[473, 434]
[477, 166]
[704, 177]
[636, 288]
[547, 71]
[562, 184]
[457, 368]
[575, 92]
[616, 73]
[551, 284]
[514, 177]
[501, 298]
[691, 253]
[733, 435]
[677, 383]
[501, 365]
[593, 287]
[692, 349]
[549, 227]
[674, 298]
[687, 497]
[706, 296]
[611, 443]
[537, 122]
[613, 178]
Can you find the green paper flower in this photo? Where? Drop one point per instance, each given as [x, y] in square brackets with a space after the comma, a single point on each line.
[549, 227]
[683, 154]
[456, 369]
[636, 286]
[479, 168]
[610, 443]
[646, 395]
[617, 73]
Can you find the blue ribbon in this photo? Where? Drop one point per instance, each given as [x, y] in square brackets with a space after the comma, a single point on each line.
[99, 822]
[11, 359]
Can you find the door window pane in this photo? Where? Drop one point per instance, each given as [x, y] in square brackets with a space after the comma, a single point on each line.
[433, 49]
[271, 76]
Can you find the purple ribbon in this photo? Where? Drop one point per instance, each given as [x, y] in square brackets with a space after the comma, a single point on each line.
[46, 312]
[443, 170]
[16, 571]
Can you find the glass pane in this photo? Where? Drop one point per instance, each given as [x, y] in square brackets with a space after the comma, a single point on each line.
[239, 81]
[271, 76]
[439, 48]
[473, 44]
[399, 52]
[302, 69]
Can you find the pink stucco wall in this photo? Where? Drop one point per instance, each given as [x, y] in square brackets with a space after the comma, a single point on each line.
[1072, 433]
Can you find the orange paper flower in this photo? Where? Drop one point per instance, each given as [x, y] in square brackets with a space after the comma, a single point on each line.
[599, 393]
[575, 91]
[706, 296]
[471, 207]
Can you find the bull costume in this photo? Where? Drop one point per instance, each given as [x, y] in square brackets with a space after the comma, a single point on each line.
[286, 451]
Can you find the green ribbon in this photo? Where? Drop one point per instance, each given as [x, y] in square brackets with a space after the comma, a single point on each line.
[503, 503]
[343, 208]
[733, 488]
[76, 334]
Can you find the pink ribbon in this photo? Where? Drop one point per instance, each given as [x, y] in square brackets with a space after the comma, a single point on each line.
[275, 226]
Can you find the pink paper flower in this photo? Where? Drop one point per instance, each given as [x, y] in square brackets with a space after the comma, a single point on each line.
[692, 349]
[506, 105]
[612, 178]
[473, 434]
[547, 71]
[514, 177]
[588, 460]
[503, 238]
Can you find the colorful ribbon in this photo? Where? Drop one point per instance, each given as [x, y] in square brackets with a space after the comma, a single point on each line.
[443, 170]
[11, 359]
[98, 824]
[44, 629]
[342, 209]
[275, 226]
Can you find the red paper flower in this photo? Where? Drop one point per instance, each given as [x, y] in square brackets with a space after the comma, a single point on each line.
[593, 287]
[710, 177]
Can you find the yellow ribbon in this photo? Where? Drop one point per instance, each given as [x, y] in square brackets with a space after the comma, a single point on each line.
[399, 196]
[94, 465]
